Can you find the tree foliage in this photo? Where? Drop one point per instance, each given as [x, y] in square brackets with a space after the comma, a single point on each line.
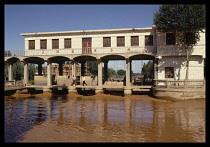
[185, 21]
[111, 73]
[17, 69]
[182, 18]
[92, 67]
[147, 70]
[121, 72]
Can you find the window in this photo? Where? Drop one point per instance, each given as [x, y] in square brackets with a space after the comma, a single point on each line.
[67, 43]
[169, 72]
[86, 45]
[43, 44]
[31, 44]
[149, 40]
[55, 43]
[120, 41]
[170, 39]
[134, 40]
[106, 41]
[190, 38]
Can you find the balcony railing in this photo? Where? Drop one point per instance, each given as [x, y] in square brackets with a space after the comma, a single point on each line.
[14, 53]
[91, 50]
[179, 84]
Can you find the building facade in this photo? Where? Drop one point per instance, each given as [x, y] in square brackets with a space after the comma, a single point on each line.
[119, 44]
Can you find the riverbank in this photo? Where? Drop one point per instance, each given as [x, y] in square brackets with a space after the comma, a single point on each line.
[75, 95]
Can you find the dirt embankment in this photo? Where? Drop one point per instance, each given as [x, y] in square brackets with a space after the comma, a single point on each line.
[75, 95]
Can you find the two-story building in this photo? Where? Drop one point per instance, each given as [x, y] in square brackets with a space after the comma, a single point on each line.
[113, 44]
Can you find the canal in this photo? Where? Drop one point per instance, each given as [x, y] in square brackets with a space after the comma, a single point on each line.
[103, 118]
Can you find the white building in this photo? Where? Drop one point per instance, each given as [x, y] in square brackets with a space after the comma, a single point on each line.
[124, 44]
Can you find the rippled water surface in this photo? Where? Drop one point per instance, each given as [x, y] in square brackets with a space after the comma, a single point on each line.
[114, 119]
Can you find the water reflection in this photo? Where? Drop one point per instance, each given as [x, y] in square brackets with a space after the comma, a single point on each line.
[122, 119]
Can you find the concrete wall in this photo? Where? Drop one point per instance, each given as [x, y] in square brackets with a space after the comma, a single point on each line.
[196, 67]
[40, 81]
[175, 50]
[64, 81]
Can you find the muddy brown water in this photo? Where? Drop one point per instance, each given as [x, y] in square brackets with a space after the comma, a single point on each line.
[103, 118]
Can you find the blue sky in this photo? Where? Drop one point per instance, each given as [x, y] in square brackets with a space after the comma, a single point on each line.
[51, 18]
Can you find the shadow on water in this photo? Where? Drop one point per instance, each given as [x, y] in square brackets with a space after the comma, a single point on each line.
[9, 92]
[21, 114]
[61, 91]
[117, 93]
[85, 92]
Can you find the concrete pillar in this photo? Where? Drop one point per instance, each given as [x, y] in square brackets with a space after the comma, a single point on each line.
[155, 68]
[60, 68]
[40, 69]
[128, 72]
[10, 72]
[106, 70]
[49, 75]
[99, 72]
[131, 75]
[25, 73]
[127, 88]
[99, 88]
[74, 71]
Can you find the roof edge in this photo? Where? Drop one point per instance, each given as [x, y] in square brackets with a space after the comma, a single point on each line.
[84, 31]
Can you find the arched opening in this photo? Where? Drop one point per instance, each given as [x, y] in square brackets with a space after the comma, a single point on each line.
[13, 69]
[88, 70]
[60, 69]
[142, 69]
[114, 70]
[32, 68]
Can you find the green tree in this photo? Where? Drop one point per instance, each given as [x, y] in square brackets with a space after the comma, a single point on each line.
[147, 69]
[121, 72]
[92, 67]
[185, 21]
[31, 71]
[111, 72]
[17, 69]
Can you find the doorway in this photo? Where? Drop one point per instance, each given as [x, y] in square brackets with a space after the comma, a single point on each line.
[86, 45]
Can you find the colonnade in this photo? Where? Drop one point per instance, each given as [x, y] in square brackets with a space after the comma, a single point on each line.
[98, 88]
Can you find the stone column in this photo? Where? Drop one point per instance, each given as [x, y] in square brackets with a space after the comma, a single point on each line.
[49, 75]
[40, 69]
[60, 68]
[131, 75]
[25, 73]
[10, 72]
[99, 89]
[127, 88]
[74, 71]
[128, 72]
[99, 72]
[155, 68]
